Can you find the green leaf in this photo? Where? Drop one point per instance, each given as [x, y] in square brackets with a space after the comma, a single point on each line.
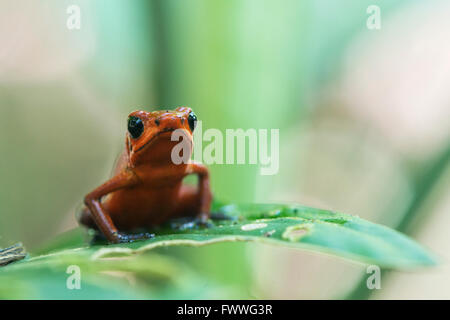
[113, 276]
[297, 226]
[159, 276]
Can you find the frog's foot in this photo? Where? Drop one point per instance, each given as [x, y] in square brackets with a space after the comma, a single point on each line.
[125, 237]
[221, 216]
[191, 223]
[202, 221]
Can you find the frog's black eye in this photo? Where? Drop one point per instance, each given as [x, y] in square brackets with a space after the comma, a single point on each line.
[192, 120]
[135, 127]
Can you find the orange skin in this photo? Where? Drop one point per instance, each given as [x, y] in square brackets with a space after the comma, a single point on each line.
[147, 187]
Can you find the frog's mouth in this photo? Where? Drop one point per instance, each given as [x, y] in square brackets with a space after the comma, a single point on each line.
[154, 137]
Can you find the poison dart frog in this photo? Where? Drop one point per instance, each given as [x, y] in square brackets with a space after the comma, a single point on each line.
[147, 186]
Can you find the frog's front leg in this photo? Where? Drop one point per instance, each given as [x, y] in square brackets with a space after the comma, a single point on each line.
[102, 219]
[204, 190]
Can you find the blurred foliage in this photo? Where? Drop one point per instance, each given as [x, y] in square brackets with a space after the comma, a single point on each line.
[149, 276]
[415, 217]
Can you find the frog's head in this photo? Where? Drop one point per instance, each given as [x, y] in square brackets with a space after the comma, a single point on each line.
[149, 133]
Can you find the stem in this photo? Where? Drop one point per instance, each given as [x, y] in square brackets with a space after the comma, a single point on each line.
[425, 187]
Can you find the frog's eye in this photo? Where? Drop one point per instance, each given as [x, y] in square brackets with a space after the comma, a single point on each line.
[192, 120]
[135, 126]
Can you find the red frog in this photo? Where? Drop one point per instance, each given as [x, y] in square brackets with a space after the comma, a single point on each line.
[147, 186]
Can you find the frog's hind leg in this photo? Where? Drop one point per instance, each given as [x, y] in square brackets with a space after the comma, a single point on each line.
[188, 202]
[85, 218]
[187, 213]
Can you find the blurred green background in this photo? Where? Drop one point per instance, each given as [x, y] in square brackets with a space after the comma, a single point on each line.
[363, 118]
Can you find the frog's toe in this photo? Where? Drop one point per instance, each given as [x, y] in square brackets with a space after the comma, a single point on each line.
[203, 222]
[126, 238]
[221, 216]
